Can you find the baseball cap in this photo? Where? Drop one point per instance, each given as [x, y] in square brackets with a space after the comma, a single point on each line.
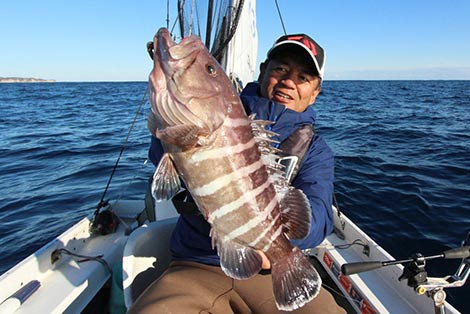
[311, 47]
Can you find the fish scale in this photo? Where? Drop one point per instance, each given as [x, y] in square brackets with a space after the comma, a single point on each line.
[225, 159]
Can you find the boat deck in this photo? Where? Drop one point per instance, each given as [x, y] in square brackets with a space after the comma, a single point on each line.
[69, 283]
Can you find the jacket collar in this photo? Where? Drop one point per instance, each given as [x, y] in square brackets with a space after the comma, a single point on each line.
[286, 120]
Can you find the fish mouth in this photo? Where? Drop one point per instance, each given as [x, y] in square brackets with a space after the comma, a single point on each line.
[170, 58]
[171, 55]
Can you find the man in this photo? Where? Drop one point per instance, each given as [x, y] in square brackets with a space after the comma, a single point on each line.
[289, 82]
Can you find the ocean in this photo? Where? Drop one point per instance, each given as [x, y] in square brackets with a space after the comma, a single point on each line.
[402, 161]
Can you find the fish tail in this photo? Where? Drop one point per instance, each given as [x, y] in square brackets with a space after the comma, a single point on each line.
[295, 281]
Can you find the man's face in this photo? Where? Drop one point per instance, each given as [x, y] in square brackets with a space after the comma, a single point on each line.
[286, 79]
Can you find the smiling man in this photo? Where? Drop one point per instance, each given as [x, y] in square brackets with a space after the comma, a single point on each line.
[289, 83]
[292, 74]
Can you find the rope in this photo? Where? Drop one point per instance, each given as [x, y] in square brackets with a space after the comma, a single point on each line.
[341, 295]
[365, 246]
[218, 53]
[191, 18]
[168, 14]
[84, 258]
[280, 17]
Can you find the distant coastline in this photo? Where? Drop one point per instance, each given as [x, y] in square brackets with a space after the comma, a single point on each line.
[24, 80]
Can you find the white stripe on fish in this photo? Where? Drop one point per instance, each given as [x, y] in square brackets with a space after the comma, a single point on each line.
[253, 222]
[274, 236]
[265, 231]
[232, 206]
[237, 122]
[221, 152]
[221, 182]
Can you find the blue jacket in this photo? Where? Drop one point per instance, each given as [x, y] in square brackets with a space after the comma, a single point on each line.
[190, 239]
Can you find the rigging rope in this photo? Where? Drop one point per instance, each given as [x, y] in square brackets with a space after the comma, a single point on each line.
[280, 17]
[191, 18]
[168, 14]
[218, 53]
[209, 24]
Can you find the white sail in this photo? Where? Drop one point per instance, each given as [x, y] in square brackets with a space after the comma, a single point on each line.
[229, 32]
[243, 48]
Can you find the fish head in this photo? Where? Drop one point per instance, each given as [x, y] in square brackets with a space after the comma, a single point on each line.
[187, 86]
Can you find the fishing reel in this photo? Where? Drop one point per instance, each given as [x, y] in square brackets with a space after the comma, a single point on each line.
[104, 221]
[417, 278]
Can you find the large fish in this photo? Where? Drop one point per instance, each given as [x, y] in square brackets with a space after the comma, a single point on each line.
[228, 166]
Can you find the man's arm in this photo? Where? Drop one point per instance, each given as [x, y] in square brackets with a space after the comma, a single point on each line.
[156, 149]
[315, 179]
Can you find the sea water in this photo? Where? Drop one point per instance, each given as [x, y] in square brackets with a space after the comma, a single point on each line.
[402, 161]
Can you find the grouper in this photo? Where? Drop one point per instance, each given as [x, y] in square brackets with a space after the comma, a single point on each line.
[226, 162]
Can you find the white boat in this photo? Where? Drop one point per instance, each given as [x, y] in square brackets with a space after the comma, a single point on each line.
[74, 270]
[81, 272]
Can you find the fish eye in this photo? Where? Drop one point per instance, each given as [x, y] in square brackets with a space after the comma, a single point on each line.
[211, 69]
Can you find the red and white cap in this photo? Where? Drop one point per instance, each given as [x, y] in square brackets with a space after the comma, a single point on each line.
[311, 47]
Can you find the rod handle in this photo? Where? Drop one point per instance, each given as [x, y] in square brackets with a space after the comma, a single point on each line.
[359, 267]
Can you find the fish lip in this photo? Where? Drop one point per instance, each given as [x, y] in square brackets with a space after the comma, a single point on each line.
[168, 49]
[163, 35]
[169, 56]
[162, 42]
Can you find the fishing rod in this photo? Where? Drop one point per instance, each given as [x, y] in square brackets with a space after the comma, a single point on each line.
[414, 272]
[359, 267]
[106, 221]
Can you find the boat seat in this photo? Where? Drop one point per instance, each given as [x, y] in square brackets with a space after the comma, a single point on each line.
[146, 256]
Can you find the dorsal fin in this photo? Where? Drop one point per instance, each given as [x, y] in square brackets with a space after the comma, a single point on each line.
[270, 154]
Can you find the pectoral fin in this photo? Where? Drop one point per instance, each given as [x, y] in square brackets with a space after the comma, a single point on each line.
[184, 136]
[166, 182]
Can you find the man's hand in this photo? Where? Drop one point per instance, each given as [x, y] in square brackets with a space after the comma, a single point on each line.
[266, 263]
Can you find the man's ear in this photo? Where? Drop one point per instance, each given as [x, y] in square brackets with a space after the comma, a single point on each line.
[262, 69]
[314, 95]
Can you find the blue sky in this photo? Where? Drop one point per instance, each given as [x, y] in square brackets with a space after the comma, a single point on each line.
[104, 40]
